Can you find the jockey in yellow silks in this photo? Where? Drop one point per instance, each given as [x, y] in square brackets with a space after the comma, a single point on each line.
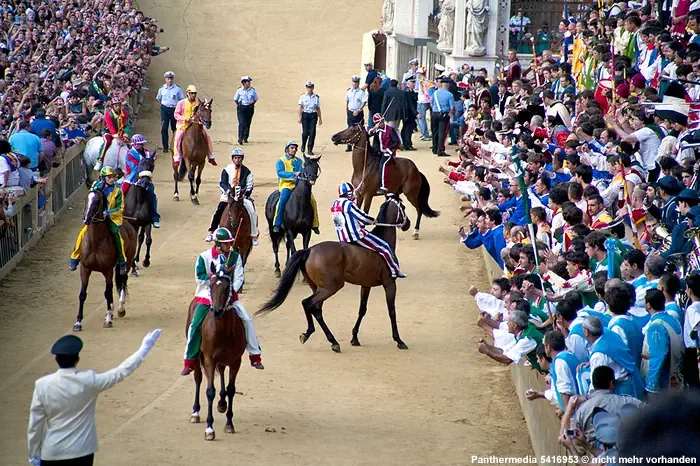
[113, 217]
[184, 112]
[288, 168]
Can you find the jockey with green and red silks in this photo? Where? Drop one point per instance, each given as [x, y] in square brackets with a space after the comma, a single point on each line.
[223, 253]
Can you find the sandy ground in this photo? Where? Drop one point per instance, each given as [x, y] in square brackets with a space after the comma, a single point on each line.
[437, 403]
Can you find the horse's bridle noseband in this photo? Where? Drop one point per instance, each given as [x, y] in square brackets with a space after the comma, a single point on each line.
[400, 215]
[229, 300]
[355, 139]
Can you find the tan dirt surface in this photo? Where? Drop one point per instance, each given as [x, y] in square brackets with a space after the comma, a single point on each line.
[438, 403]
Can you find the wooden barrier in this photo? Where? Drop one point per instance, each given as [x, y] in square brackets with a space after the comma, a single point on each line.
[542, 422]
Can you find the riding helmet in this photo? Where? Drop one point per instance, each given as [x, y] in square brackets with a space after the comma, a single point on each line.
[138, 139]
[191, 89]
[237, 152]
[345, 189]
[107, 171]
[223, 235]
[377, 118]
[290, 143]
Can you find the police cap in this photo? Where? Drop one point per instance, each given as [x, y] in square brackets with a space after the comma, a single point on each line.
[67, 345]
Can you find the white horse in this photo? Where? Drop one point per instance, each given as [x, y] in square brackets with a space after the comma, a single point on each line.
[115, 156]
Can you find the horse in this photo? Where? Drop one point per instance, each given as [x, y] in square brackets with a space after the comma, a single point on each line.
[298, 214]
[98, 254]
[115, 156]
[235, 217]
[329, 265]
[137, 210]
[403, 176]
[223, 345]
[194, 150]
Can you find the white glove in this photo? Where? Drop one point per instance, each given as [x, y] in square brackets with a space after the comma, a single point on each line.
[149, 340]
[34, 461]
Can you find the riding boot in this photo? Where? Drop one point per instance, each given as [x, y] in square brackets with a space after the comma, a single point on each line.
[216, 218]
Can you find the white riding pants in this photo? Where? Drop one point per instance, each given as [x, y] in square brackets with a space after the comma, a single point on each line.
[250, 207]
[251, 338]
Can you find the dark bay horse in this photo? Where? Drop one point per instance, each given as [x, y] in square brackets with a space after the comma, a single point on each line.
[137, 210]
[98, 254]
[327, 266]
[237, 220]
[223, 345]
[194, 150]
[403, 176]
[298, 215]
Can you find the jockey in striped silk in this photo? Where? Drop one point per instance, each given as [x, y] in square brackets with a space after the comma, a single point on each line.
[350, 222]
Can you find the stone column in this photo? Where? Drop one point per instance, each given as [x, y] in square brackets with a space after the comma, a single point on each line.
[498, 35]
[421, 12]
[460, 27]
[403, 18]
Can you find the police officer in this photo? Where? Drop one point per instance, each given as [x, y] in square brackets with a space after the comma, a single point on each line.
[410, 113]
[442, 106]
[411, 73]
[62, 414]
[168, 96]
[245, 102]
[355, 102]
[309, 115]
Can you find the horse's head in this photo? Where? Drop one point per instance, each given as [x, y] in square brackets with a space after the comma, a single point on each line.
[393, 212]
[147, 164]
[351, 135]
[312, 169]
[204, 112]
[220, 285]
[95, 207]
[236, 208]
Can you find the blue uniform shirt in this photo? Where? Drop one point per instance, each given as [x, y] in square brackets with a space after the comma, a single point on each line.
[246, 96]
[27, 144]
[442, 101]
[170, 96]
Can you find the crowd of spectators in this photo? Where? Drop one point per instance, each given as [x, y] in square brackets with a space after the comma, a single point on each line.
[579, 176]
[60, 62]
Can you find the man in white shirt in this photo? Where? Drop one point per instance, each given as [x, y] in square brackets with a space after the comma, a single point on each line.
[355, 103]
[691, 330]
[62, 415]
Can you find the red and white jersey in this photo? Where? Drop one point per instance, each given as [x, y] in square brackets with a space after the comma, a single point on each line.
[349, 220]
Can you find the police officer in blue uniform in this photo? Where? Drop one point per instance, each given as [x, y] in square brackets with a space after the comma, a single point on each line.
[245, 99]
[168, 96]
[355, 102]
[442, 105]
[309, 116]
[411, 73]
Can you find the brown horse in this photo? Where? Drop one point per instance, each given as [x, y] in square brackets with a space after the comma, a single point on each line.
[235, 217]
[223, 345]
[403, 176]
[194, 150]
[327, 266]
[99, 254]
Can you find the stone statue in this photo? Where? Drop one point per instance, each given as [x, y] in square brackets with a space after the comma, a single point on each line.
[477, 24]
[446, 26]
[388, 16]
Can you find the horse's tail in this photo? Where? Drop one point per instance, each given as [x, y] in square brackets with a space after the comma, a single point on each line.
[296, 263]
[121, 281]
[423, 195]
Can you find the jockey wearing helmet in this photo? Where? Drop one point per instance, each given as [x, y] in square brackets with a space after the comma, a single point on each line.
[135, 175]
[238, 179]
[113, 217]
[389, 141]
[184, 112]
[117, 125]
[350, 222]
[224, 255]
[288, 167]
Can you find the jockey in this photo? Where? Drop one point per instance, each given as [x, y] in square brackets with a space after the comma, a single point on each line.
[225, 255]
[113, 218]
[184, 111]
[116, 126]
[236, 177]
[288, 168]
[133, 161]
[389, 142]
[350, 222]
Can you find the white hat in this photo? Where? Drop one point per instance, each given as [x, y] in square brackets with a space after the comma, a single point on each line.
[355, 79]
[246, 78]
[413, 62]
[145, 173]
[169, 74]
[309, 84]
[368, 63]
[439, 67]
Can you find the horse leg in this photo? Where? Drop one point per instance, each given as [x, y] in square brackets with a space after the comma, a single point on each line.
[209, 433]
[221, 405]
[364, 297]
[109, 283]
[290, 245]
[190, 178]
[416, 233]
[194, 418]
[176, 194]
[316, 304]
[306, 238]
[121, 288]
[276, 250]
[390, 290]
[306, 303]
[368, 202]
[231, 392]
[149, 241]
[84, 281]
[138, 252]
[199, 179]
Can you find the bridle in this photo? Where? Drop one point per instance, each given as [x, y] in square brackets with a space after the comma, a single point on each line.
[355, 139]
[229, 300]
[310, 177]
[400, 215]
[98, 215]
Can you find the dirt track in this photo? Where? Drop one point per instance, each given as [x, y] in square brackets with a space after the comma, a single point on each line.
[437, 403]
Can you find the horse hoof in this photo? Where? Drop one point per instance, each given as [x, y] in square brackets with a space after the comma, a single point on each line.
[416, 235]
[194, 419]
[209, 436]
[194, 200]
[401, 345]
[134, 274]
[278, 274]
[146, 263]
[336, 348]
[78, 327]
[355, 342]
[176, 197]
[221, 407]
[229, 430]
[303, 338]
[121, 313]
[107, 324]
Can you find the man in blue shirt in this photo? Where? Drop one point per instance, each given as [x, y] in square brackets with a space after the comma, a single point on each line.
[442, 105]
[487, 233]
[371, 74]
[245, 99]
[168, 95]
[27, 144]
[41, 123]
